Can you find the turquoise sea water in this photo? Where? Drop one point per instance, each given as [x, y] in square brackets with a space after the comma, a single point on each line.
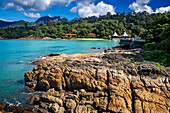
[15, 56]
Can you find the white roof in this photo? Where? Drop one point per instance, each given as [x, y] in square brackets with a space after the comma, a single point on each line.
[124, 34]
[115, 34]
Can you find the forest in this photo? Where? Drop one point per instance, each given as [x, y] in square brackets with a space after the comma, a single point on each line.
[158, 32]
[103, 26]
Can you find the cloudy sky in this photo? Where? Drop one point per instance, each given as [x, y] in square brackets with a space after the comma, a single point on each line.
[30, 10]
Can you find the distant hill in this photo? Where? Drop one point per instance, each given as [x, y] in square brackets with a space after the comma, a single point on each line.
[41, 20]
[4, 24]
[44, 19]
[20, 23]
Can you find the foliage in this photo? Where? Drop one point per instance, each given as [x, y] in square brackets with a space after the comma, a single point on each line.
[105, 37]
[159, 65]
[157, 56]
[158, 28]
[103, 26]
[65, 37]
[158, 32]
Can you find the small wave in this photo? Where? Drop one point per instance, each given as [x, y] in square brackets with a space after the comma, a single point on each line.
[43, 57]
[19, 62]
[23, 93]
[30, 62]
[10, 104]
[32, 93]
[16, 102]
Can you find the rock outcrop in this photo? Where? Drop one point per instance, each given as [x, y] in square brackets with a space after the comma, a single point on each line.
[111, 82]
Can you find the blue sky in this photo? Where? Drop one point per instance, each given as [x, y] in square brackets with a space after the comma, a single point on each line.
[30, 10]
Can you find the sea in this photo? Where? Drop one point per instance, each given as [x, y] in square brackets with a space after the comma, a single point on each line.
[17, 54]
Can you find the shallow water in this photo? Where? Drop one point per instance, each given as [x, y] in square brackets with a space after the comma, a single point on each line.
[15, 56]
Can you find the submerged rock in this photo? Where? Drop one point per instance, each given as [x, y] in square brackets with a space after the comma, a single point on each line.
[93, 48]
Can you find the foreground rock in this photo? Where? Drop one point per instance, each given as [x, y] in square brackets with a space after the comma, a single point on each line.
[111, 82]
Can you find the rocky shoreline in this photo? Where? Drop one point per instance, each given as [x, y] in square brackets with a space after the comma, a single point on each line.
[119, 81]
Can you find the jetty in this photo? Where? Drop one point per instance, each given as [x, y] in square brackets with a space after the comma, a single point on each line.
[126, 41]
[132, 42]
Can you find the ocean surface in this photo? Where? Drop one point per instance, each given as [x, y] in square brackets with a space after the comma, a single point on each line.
[15, 56]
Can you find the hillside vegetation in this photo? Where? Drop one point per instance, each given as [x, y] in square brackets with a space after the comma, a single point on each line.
[158, 32]
[133, 23]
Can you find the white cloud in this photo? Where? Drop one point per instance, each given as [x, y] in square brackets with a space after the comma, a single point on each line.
[49, 15]
[140, 6]
[142, 1]
[32, 15]
[85, 10]
[33, 5]
[85, 2]
[74, 9]
[13, 6]
[38, 5]
[162, 9]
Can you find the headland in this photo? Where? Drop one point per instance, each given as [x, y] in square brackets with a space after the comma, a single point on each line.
[119, 81]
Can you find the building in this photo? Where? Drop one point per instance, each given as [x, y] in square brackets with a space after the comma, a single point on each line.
[115, 35]
[125, 35]
[69, 35]
[92, 35]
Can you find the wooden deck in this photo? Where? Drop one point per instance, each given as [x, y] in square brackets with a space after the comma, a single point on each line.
[132, 42]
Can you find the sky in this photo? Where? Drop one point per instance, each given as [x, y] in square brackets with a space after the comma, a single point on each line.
[31, 10]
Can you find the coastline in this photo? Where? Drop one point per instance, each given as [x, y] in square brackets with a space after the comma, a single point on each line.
[115, 80]
[78, 56]
[80, 81]
[62, 57]
[35, 38]
[73, 82]
[89, 39]
[64, 39]
[73, 57]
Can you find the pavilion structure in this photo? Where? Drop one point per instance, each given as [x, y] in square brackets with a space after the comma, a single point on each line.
[127, 42]
[125, 35]
[115, 35]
